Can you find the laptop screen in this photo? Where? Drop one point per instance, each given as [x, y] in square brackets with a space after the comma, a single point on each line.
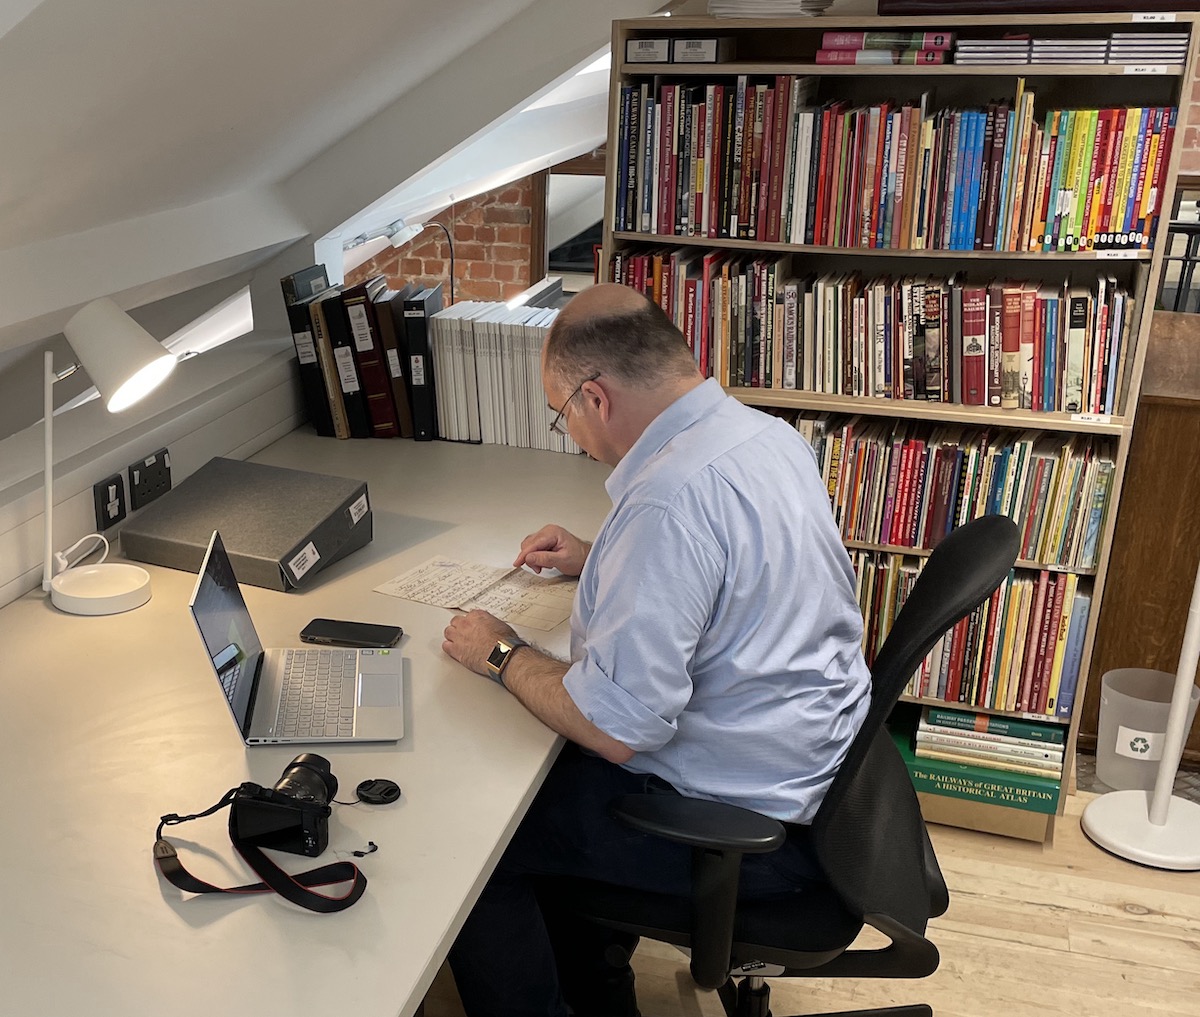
[225, 626]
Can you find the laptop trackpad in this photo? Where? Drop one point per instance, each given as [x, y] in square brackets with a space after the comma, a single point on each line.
[379, 690]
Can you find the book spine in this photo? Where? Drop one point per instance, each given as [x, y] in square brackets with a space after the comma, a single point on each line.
[1030, 729]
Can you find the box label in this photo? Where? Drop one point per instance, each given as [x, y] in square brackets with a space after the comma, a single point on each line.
[358, 509]
[306, 352]
[305, 560]
[1135, 744]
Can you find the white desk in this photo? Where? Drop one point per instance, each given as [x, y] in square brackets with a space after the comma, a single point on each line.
[110, 722]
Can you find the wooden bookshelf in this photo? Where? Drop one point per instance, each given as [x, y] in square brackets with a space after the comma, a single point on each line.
[767, 48]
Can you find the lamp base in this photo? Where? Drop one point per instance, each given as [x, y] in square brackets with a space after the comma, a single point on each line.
[107, 588]
[1119, 821]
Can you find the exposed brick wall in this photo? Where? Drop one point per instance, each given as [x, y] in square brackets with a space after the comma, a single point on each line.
[492, 241]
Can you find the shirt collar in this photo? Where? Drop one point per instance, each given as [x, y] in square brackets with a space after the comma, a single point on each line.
[690, 407]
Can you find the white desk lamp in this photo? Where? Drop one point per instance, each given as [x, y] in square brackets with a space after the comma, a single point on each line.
[1161, 830]
[125, 362]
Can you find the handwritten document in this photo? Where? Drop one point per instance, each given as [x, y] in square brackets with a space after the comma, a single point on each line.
[513, 595]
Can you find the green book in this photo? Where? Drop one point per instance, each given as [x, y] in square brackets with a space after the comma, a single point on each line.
[963, 721]
[978, 783]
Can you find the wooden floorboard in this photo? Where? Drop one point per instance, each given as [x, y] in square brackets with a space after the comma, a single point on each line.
[1033, 929]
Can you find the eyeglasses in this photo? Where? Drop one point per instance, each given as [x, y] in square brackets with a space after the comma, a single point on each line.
[558, 424]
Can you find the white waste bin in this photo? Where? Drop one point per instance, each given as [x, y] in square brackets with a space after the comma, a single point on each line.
[1134, 704]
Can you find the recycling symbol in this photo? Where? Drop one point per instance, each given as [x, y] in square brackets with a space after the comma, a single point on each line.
[1140, 745]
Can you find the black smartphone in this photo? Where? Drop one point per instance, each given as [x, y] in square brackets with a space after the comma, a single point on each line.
[348, 633]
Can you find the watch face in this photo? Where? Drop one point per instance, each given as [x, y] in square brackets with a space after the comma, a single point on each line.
[498, 655]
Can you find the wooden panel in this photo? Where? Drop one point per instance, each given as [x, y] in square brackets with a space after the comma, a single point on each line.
[1157, 542]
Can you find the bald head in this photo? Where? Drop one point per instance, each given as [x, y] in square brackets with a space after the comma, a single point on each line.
[613, 330]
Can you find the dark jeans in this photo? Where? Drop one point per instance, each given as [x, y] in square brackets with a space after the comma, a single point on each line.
[511, 955]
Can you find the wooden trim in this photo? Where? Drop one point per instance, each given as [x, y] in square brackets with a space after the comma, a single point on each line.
[539, 253]
[591, 164]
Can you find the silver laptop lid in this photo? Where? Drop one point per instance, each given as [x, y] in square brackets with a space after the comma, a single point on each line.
[227, 631]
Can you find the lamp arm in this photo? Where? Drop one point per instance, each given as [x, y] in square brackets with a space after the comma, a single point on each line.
[48, 465]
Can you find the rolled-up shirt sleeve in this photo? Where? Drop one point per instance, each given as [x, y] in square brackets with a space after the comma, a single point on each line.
[656, 584]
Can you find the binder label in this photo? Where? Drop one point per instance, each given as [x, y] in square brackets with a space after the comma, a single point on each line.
[393, 362]
[345, 367]
[306, 351]
[305, 560]
[418, 370]
[358, 325]
[418, 313]
[358, 509]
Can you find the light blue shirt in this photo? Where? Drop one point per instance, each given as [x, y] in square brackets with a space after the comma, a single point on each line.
[716, 630]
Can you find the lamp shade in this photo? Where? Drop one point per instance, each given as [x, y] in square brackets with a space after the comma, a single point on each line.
[123, 360]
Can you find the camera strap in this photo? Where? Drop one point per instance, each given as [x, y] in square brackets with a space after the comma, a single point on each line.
[292, 887]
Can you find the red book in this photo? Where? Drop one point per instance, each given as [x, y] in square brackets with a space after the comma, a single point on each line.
[779, 139]
[716, 175]
[920, 464]
[1110, 185]
[369, 357]
[666, 162]
[1010, 347]
[766, 160]
[989, 646]
[830, 120]
[974, 340]
[1046, 664]
[958, 640]
[1031, 641]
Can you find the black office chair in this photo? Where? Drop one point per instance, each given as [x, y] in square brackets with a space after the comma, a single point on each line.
[868, 834]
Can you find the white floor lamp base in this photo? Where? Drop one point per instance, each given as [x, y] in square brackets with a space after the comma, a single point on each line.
[1119, 821]
[107, 588]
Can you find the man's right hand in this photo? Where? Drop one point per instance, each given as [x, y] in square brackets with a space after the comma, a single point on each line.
[552, 547]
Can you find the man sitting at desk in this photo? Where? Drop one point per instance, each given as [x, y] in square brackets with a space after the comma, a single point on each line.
[715, 651]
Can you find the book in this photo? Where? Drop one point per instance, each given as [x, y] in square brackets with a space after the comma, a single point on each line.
[363, 326]
[925, 751]
[354, 399]
[329, 365]
[881, 56]
[418, 309]
[941, 41]
[389, 313]
[298, 288]
[1030, 792]
[938, 717]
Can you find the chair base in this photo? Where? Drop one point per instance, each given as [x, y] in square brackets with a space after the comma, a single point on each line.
[751, 997]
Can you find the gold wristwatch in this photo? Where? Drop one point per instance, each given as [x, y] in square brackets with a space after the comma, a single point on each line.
[500, 656]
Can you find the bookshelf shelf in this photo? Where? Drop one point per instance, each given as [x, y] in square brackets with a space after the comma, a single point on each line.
[924, 71]
[925, 552]
[837, 153]
[913, 409]
[942, 704]
[880, 252]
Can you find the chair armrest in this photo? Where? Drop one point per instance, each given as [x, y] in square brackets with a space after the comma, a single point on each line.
[698, 823]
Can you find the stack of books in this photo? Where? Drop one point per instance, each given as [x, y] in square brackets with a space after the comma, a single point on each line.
[1068, 51]
[1141, 47]
[487, 371]
[992, 776]
[885, 48]
[993, 743]
[992, 51]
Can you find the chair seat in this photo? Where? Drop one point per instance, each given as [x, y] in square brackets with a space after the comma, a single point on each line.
[800, 931]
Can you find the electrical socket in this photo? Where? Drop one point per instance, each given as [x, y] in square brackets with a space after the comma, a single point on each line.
[149, 478]
[109, 496]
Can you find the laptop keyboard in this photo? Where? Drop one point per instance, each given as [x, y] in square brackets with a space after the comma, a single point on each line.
[311, 704]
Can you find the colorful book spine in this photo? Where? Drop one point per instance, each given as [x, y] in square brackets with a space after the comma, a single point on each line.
[881, 56]
[940, 41]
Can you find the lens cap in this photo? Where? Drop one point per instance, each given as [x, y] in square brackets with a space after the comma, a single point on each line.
[378, 791]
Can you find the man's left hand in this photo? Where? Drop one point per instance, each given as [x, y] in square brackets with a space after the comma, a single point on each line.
[469, 638]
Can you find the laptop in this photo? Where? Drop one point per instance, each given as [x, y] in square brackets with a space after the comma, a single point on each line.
[291, 694]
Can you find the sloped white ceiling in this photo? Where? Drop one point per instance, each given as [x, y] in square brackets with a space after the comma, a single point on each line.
[151, 146]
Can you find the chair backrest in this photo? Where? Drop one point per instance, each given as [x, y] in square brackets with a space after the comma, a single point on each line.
[868, 832]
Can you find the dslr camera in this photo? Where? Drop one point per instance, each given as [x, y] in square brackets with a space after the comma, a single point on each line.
[293, 815]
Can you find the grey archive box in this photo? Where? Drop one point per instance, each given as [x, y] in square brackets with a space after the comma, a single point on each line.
[279, 526]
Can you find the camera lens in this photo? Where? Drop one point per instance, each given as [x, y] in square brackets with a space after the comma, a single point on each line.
[307, 778]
